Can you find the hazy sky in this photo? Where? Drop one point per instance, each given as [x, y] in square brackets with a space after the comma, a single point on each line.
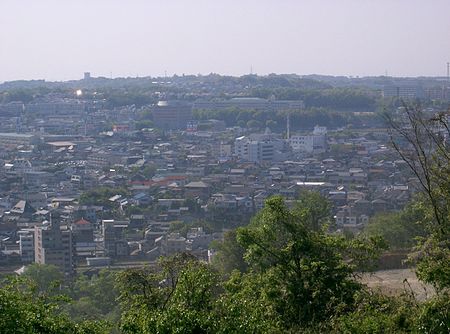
[61, 39]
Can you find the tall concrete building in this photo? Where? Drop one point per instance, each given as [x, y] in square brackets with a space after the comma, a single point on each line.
[315, 143]
[259, 148]
[172, 115]
[26, 245]
[113, 241]
[53, 245]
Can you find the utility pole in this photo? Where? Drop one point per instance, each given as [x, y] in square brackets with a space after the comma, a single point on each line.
[288, 126]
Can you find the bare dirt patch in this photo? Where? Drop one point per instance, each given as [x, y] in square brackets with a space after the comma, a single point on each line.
[397, 281]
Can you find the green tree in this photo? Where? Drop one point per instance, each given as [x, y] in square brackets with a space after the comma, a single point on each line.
[142, 124]
[100, 196]
[313, 277]
[229, 254]
[376, 313]
[177, 299]
[253, 124]
[95, 297]
[421, 140]
[316, 210]
[47, 278]
[399, 229]
[271, 124]
[246, 305]
[22, 310]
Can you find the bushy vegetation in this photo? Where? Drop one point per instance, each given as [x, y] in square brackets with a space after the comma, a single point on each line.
[23, 309]
[401, 230]
[101, 196]
[300, 119]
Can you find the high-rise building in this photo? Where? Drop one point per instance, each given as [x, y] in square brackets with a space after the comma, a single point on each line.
[172, 115]
[26, 245]
[53, 245]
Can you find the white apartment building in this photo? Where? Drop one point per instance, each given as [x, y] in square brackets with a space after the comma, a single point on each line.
[26, 245]
[258, 147]
[315, 143]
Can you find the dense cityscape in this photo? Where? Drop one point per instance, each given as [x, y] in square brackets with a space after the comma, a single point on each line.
[116, 183]
[116, 173]
[224, 167]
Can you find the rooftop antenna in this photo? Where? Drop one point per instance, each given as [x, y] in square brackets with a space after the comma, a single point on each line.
[251, 69]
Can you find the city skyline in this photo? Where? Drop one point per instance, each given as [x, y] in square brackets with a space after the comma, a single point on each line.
[59, 41]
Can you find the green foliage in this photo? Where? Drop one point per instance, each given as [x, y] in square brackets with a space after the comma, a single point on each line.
[432, 252]
[300, 119]
[315, 209]
[177, 299]
[433, 262]
[149, 171]
[100, 196]
[95, 297]
[425, 151]
[229, 254]
[246, 305]
[24, 311]
[184, 227]
[299, 278]
[399, 229]
[254, 124]
[333, 98]
[142, 124]
[377, 314]
[313, 278]
[47, 278]
[434, 315]
[17, 95]
[123, 97]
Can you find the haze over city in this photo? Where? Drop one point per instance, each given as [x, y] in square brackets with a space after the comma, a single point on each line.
[253, 166]
[59, 40]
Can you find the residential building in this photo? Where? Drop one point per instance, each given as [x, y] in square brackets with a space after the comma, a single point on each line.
[26, 245]
[259, 147]
[315, 143]
[171, 115]
[53, 245]
[113, 242]
[173, 243]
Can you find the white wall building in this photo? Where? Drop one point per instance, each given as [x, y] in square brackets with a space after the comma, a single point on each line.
[315, 143]
[26, 245]
[259, 147]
